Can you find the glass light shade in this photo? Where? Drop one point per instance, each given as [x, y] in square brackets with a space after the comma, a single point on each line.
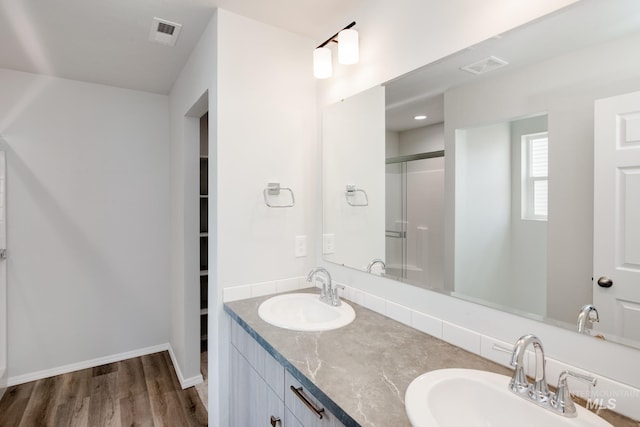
[322, 67]
[348, 47]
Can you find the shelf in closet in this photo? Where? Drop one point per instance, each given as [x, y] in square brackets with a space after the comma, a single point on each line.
[204, 272]
[204, 311]
[204, 234]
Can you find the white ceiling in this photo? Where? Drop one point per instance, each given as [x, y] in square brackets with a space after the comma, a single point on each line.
[106, 41]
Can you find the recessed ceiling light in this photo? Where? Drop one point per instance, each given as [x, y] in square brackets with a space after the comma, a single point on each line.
[420, 117]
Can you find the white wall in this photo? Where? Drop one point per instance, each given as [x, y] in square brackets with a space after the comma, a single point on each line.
[391, 140]
[87, 212]
[483, 212]
[421, 140]
[266, 133]
[353, 154]
[393, 43]
[261, 129]
[192, 94]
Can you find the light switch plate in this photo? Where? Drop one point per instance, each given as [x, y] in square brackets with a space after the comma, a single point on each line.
[301, 246]
[328, 243]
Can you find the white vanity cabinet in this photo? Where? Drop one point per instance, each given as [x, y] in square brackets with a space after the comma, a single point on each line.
[262, 391]
[253, 402]
[256, 383]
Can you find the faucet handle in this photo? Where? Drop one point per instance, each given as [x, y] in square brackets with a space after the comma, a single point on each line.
[335, 296]
[562, 400]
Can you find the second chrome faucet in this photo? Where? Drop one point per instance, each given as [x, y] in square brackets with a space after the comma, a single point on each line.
[538, 392]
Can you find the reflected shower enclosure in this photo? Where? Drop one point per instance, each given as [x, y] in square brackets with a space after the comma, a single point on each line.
[414, 219]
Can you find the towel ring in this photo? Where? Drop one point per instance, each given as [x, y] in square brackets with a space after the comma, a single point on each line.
[273, 189]
[351, 192]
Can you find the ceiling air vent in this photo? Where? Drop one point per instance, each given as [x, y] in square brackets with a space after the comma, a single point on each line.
[485, 65]
[164, 32]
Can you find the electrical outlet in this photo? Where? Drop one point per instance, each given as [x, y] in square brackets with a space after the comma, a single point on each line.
[328, 243]
[301, 246]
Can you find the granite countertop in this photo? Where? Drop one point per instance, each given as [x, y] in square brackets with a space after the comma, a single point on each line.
[361, 372]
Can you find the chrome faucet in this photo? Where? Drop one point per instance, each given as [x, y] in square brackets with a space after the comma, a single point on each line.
[326, 283]
[538, 391]
[587, 312]
[329, 292]
[374, 262]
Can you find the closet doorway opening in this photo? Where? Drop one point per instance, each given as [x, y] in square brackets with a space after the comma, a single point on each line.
[203, 249]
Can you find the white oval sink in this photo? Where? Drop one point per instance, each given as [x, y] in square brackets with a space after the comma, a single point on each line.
[467, 397]
[305, 312]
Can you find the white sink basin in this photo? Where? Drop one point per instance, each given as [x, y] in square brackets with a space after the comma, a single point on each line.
[305, 312]
[466, 397]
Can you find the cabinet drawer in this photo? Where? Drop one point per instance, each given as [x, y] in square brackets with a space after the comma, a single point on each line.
[301, 414]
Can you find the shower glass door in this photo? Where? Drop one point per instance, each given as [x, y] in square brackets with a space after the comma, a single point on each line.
[415, 219]
[395, 220]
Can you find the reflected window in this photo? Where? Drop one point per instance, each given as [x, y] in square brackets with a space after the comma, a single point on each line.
[535, 179]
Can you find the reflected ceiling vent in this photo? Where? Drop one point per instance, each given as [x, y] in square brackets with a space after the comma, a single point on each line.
[164, 32]
[485, 65]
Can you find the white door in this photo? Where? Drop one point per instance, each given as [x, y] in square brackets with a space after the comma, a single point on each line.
[616, 260]
[3, 274]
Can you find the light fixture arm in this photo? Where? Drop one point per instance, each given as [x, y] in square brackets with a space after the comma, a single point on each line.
[333, 37]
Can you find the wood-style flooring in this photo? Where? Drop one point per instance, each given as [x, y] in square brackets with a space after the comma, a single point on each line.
[143, 391]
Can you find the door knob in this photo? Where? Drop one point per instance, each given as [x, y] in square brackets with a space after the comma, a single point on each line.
[605, 282]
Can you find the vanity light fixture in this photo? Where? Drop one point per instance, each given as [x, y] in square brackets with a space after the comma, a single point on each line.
[348, 52]
[420, 117]
[322, 67]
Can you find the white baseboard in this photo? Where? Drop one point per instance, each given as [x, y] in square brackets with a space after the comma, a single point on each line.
[46, 373]
[184, 382]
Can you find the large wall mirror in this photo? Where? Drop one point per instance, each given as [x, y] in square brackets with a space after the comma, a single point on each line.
[475, 175]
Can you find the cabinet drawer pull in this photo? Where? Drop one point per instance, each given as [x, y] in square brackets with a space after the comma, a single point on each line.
[298, 392]
[275, 421]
